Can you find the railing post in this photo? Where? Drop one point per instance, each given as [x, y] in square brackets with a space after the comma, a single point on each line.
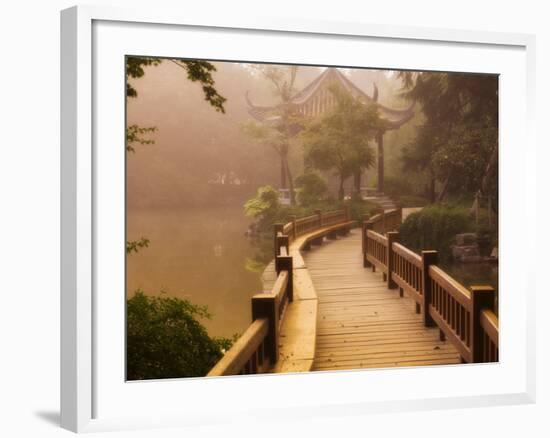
[393, 236]
[293, 220]
[276, 229]
[428, 258]
[284, 263]
[364, 239]
[281, 240]
[264, 306]
[319, 214]
[366, 263]
[483, 297]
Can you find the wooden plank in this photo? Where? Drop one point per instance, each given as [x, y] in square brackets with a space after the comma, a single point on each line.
[303, 285]
[361, 323]
[297, 338]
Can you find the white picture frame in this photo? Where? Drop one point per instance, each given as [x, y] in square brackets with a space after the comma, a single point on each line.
[85, 64]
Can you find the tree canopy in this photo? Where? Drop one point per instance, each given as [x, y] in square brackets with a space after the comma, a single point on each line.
[339, 140]
[457, 144]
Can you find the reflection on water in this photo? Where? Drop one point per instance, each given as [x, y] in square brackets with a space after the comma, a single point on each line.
[197, 254]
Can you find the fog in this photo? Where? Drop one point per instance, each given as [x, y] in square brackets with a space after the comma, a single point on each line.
[195, 144]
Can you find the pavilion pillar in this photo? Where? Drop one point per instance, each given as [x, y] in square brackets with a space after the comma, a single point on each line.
[380, 141]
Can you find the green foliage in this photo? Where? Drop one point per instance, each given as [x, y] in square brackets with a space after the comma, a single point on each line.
[358, 208]
[403, 191]
[311, 188]
[286, 123]
[166, 340]
[264, 205]
[256, 265]
[434, 228]
[412, 201]
[134, 135]
[197, 71]
[457, 144]
[136, 245]
[134, 69]
[339, 141]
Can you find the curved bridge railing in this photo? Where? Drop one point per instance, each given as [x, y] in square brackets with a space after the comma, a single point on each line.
[464, 316]
[257, 350]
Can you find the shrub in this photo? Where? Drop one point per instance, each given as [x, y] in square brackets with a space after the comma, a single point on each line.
[166, 340]
[311, 188]
[434, 227]
[412, 201]
[264, 206]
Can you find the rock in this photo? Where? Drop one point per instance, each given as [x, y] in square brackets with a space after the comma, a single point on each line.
[466, 239]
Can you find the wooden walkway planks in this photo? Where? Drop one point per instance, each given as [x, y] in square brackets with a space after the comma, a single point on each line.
[361, 323]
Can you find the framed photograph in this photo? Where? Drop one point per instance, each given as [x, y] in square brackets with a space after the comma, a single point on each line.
[327, 217]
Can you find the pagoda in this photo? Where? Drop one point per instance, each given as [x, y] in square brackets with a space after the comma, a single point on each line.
[316, 99]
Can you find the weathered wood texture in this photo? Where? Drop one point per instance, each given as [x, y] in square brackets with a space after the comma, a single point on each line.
[363, 324]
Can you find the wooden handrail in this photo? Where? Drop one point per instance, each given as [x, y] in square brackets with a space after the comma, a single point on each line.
[407, 272]
[376, 251]
[247, 354]
[463, 316]
[388, 220]
[489, 323]
[450, 308]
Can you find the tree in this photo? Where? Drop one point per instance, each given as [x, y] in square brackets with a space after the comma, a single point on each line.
[457, 144]
[311, 188]
[340, 139]
[166, 340]
[288, 125]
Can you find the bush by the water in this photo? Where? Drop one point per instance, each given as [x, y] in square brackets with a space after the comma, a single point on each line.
[267, 210]
[434, 227]
[166, 340]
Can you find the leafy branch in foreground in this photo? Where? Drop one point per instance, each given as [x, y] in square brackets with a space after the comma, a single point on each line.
[197, 71]
[136, 245]
[134, 136]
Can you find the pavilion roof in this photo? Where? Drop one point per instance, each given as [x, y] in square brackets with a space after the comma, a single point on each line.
[316, 99]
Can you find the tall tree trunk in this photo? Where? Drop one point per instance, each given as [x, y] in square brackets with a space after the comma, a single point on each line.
[490, 165]
[443, 192]
[341, 189]
[432, 186]
[283, 170]
[357, 182]
[380, 141]
[290, 184]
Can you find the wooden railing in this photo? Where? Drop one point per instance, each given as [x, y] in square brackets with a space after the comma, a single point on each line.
[464, 316]
[257, 350]
[298, 227]
[389, 220]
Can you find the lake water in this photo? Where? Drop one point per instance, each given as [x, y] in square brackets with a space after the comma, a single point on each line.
[200, 255]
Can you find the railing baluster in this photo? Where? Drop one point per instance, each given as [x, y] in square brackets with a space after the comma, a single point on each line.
[428, 258]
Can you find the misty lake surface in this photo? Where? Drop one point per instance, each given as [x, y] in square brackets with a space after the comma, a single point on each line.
[197, 254]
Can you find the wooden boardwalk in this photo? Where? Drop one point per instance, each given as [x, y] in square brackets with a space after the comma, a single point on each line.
[361, 323]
